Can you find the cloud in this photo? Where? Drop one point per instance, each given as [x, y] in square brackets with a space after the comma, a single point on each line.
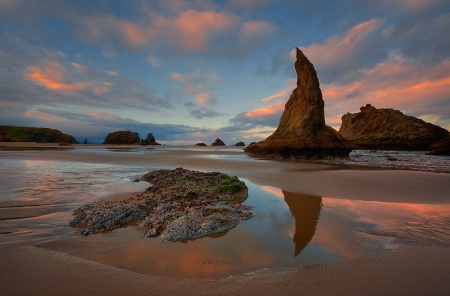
[204, 112]
[52, 75]
[250, 3]
[155, 62]
[397, 84]
[192, 29]
[253, 31]
[283, 94]
[95, 125]
[341, 56]
[198, 85]
[39, 76]
[79, 67]
[266, 111]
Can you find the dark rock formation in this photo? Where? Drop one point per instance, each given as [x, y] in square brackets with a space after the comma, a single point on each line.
[374, 128]
[180, 205]
[150, 140]
[306, 210]
[200, 144]
[218, 142]
[122, 137]
[34, 134]
[239, 144]
[302, 132]
[441, 148]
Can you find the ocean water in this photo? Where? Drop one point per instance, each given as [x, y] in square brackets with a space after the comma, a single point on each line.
[400, 160]
[290, 230]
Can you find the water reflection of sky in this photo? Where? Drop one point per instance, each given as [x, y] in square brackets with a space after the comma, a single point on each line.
[290, 229]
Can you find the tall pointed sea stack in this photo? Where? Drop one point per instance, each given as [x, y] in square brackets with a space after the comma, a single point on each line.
[302, 132]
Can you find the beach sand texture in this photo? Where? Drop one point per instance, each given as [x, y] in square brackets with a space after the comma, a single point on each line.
[404, 213]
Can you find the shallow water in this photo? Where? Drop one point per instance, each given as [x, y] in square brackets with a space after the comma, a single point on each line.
[406, 160]
[290, 229]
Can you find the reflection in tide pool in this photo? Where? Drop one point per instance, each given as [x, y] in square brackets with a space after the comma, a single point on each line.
[290, 230]
[306, 211]
[265, 241]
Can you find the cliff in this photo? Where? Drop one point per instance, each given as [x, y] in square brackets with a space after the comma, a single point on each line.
[374, 128]
[34, 134]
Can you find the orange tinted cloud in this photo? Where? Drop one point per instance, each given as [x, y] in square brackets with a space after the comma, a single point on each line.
[134, 34]
[391, 84]
[266, 111]
[54, 76]
[192, 28]
[341, 47]
[51, 76]
[283, 94]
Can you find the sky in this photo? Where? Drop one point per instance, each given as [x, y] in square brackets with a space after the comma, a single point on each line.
[193, 71]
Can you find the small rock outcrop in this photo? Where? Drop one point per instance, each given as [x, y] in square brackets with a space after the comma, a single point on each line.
[302, 132]
[441, 148]
[374, 128]
[200, 144]
[180, 205]
[122, 137]
[239, 144]
[150, 140]
[34, 134]
[218, 142]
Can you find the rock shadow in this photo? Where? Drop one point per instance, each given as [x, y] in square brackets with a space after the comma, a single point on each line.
[306, 210]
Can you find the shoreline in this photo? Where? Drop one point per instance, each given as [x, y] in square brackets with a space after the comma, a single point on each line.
[390, 273]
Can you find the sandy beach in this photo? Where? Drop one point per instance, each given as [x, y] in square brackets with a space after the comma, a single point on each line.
[414, 265]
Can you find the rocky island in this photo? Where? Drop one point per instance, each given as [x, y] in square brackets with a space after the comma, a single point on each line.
[179, 205]
[302, 132]
[34, 134]
[387, 128]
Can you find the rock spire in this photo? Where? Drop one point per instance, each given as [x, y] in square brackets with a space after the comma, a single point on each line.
[302, 132]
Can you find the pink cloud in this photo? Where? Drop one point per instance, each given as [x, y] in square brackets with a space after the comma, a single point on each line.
[51, 76]
[394, 84]
[339, 48]
[54, 76]
[106, 116]
[266, 111]
[45, 117]
[178, 31]
[192, 28]
[283, 94]
[135, 35]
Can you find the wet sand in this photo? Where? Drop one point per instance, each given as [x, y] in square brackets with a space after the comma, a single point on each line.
[408, 270]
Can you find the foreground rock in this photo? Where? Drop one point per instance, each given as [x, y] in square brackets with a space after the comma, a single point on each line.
[302, 132]
[122, 137]
[180, 205]
[374, 128]
[34, 134]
